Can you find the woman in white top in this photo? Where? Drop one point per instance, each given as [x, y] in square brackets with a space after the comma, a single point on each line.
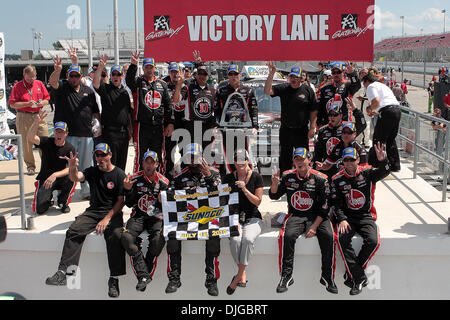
[383, 102]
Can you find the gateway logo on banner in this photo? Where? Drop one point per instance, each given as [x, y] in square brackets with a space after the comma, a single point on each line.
[255, 30]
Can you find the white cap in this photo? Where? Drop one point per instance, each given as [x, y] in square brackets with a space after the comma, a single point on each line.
[327, 73]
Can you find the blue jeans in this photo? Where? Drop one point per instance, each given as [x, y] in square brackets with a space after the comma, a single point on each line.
[84, 146]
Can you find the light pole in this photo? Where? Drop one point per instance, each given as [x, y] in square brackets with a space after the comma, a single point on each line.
[116, 33]
[136, 29]
[443, 11]
[88, 5]
[403, 27]
[32, 35]
[425, 55]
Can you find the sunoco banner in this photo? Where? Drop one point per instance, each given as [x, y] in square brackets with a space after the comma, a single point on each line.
[259, 30]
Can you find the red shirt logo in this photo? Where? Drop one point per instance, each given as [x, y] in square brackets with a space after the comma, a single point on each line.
[301, 201]
[110, 185]
[145, 202]
[331, 143]
[355, 199]
[153, 99]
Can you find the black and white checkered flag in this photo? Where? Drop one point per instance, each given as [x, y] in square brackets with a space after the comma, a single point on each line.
[201, 214]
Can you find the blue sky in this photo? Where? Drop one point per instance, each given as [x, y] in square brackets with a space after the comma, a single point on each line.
[50, 18]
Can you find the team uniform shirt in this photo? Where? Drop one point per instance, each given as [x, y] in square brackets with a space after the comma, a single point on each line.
[200, 103]
[307, 197]
[151, 99]
[105, 188]
[353, 197]
[345, 89]
[186, 179]
[75, 108]
[335, 156]
[24, 92]
[51, 154]
[236, 109]
[328, 136]
[116, 106]
[90, 83]
[143, 196]
[177, 109]
[379, 90]
[446, 113]
[296, 104]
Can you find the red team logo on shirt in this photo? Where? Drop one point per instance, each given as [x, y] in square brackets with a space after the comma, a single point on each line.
[355, 199]
[145, 202]
[331, 143]
[110, 185]
[301, 201]
[153, 99]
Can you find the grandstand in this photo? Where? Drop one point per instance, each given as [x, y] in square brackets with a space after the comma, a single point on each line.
[102, 42]
[438, 50]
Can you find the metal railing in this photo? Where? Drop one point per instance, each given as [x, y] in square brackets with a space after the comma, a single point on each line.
[21, 178]
[417, 116]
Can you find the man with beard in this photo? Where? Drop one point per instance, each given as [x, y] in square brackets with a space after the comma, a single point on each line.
[307, 192]
[235, 103]
[104, 215]
[54, 174]
[196, 174]
[344, 88]
[298, 111]
[142, 193]
[116, 115]
[152, 117]
[75, 105]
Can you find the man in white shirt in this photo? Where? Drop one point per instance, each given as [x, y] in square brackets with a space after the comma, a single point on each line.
[383, 102]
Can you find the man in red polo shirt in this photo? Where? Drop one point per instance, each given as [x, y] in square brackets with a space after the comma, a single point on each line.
[29, 96]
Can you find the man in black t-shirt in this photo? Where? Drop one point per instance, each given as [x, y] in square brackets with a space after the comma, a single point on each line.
[54, 174]
[116, 112]
[75, 104]
[104, 215]
[298, 109]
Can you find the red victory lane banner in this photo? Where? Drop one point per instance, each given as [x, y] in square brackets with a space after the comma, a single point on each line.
[259, 30]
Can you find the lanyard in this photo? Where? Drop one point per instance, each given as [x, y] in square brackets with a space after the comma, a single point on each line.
[30, 92]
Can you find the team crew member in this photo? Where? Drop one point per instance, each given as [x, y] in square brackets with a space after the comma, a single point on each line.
[75, 105]
[307, 192]
[249, 185]
[54, 174]
[177, 110]
[330, 135]
[298, 107]
[116, 115]
[383, 102]
[196, 174]
[339, 86]
[238, 109]
[347, 140]
[200, 98]
[104, 215]
[142, 194]
[152, 121]
[28, 97]
[353, 190]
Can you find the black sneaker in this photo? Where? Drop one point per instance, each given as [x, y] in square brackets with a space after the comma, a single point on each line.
[173, 286]
[65, 208]
[211, 285]
[113, 287]
[142, 283]
[357, 288]
[348, 281]
[330, 285]
[284, 283]
[58, 279]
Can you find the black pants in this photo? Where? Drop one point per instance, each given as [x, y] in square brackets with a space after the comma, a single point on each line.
[291, 138]
[148, 137]
[118, 142]
[293, 227]
[135, 226]
[386, 131]
[355, 265]
[83, 225]
[212, 248]
[43, 197]
[228, 154]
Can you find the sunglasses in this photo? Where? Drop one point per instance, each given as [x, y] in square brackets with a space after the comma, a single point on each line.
[333, 114]
[100, 154]
[74, 75]
[104, 75]
[336, 72]
[202, 74]
[349, 160]
[115, 74]
[347, 132]
[233, 74]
